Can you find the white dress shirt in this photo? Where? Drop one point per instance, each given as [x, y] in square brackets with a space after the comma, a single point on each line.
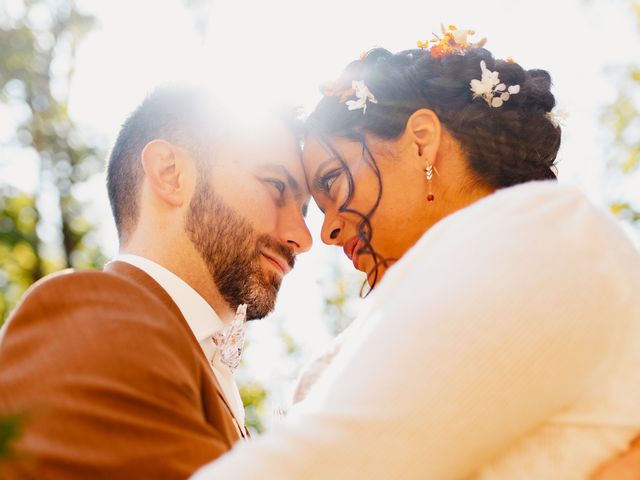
[202, 319]
[504, 344]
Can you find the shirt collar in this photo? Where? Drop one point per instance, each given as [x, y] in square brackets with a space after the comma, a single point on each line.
[202, 319]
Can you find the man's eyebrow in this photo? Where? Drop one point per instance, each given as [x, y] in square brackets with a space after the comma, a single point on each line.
[292, 182]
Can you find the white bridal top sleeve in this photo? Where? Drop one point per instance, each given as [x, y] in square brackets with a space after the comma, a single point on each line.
[509, 324]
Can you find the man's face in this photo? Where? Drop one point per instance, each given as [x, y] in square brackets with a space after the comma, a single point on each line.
[246, 217]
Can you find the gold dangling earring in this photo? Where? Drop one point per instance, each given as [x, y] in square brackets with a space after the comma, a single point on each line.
[429, 175]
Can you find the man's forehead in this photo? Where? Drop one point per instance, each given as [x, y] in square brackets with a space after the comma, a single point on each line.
[266, 143]
[268, 148]
[276, 148]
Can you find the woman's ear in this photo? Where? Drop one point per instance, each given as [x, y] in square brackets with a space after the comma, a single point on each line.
[165, 168]
[424, 132]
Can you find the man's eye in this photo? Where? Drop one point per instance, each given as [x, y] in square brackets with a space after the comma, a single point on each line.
[278, 184]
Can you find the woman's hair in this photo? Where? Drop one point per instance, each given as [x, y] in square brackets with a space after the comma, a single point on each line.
[507, 145]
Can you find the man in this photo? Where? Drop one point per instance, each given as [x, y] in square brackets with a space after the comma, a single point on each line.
[121, 373]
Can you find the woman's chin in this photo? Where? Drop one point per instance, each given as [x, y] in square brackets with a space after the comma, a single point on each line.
[374, 277]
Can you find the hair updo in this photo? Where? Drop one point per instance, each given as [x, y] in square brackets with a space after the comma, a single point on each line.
[505, 146]
[511, 144]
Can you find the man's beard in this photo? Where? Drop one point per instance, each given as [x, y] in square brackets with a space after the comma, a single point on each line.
[231, 248]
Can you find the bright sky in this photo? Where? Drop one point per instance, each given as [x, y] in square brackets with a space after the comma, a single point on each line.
[285, 49]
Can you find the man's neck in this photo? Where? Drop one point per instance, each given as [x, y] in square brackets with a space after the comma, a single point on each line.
[187, 265]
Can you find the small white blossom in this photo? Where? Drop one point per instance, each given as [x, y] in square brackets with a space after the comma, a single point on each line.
[363, 95]
[558, 118]
[490, 88]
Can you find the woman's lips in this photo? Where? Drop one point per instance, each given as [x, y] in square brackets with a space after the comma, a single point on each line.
[350, 248]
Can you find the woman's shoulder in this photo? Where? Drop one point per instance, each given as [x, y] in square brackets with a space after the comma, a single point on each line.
[529, 217]
[541, 204]
[532, 238]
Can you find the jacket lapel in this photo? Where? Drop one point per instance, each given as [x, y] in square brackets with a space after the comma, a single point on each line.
[141, 278]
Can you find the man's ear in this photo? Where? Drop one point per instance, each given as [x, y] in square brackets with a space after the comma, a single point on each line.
[164, 167]
[424, 131]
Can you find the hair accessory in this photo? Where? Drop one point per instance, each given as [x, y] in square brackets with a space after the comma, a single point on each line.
[452, 41]
[558, 118]
[363, 95]
[490, 88]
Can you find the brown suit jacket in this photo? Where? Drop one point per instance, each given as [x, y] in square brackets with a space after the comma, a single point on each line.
[112, 382]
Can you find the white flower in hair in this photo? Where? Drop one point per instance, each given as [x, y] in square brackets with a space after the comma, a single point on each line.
[484, 87]
[490, 88]
[558, 118]
[363, 94]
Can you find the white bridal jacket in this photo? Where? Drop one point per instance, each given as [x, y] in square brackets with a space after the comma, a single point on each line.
[504, 344]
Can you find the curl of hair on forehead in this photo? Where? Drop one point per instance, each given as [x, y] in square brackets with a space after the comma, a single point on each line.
[364, 230]
[504, 146]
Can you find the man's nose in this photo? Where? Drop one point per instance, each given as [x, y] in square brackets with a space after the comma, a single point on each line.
[295, 232]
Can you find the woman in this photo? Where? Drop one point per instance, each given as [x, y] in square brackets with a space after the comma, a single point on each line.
[501, 337]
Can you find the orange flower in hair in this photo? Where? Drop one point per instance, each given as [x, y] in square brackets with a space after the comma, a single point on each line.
[453, 40]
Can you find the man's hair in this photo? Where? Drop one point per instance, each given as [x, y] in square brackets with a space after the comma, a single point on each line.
[183, 116]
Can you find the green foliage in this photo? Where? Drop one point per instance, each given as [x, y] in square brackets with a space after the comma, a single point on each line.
[21, 264]
[341, 292]
[37, 38]
[9, 432]
[253, 398]
[625, 211]
[623, 120]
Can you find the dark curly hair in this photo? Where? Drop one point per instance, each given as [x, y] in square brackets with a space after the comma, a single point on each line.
[504, 146]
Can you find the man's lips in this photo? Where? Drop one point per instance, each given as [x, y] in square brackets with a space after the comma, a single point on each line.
[278, 262]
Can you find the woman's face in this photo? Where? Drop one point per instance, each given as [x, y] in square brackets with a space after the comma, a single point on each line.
[393, 199]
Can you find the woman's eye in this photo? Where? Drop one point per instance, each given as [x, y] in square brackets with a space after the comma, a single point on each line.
[329, 179]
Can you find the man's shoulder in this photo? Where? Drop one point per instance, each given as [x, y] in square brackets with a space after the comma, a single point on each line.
[93, 296]
[69, 286]
[93, 311]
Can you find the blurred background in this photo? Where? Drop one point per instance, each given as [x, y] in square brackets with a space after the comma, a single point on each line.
[70, 72]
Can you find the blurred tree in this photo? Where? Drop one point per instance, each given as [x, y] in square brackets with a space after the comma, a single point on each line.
[623, 146]
[254, 396]
[38, 40]
[21, 265]
[341, 298]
